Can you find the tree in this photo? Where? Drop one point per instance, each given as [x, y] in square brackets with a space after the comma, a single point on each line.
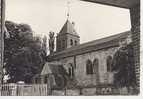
[44, 46]
[124, 68]
[24, 54]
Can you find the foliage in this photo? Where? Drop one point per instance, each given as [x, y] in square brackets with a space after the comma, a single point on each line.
[124, 68]
[24, 55]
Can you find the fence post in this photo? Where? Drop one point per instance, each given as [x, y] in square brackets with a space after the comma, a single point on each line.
[0, 89]
[65, 91]
[80, 91]
[49, 89]
[13, 88]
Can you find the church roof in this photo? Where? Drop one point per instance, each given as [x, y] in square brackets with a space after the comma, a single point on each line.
[52, 68]
[68, 28]
[107, 42]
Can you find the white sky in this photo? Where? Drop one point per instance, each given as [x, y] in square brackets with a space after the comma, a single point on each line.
[92, 21]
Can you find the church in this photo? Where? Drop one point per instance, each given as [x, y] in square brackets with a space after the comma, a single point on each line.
[74, 64]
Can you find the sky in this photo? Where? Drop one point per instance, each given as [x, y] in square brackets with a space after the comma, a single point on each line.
[92, 21]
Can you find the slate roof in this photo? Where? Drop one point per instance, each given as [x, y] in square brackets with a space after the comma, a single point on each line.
[68, 28]
[107, 42]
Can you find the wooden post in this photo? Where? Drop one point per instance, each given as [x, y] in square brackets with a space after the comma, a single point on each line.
[2, 20]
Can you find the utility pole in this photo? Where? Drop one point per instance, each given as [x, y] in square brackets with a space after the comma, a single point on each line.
[2, 22]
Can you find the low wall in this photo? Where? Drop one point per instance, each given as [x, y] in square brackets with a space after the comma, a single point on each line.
[89, 91]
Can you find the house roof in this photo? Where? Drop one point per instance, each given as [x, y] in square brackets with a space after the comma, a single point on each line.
[68, 28]
[107, 42]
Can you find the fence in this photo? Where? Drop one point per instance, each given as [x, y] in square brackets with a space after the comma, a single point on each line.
[44, 90]
[24, 90]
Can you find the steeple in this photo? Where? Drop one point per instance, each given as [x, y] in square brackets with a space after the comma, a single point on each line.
[68, 28]
[68, 13]
[67, 37]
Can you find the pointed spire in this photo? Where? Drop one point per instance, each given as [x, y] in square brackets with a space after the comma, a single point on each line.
[68, 28]
[68, 6]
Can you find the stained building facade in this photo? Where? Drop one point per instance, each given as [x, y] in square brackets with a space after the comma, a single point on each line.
[87, 64]
[134, 7]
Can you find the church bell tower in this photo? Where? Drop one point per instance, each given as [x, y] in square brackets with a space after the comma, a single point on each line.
[67, 37]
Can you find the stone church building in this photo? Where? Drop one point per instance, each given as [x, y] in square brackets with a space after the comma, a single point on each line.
[87, 64]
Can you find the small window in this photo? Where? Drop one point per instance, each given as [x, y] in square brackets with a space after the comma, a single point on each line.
[109, 63]
[71, 42]
[89, 68]
[63, 44]
[71, 70]
[95, 66]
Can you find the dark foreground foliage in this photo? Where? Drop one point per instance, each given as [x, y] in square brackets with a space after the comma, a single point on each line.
[24, 54]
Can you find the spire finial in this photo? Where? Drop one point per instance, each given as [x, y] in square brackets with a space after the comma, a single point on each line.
[68, 6]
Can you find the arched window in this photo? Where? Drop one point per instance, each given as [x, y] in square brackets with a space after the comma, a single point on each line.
[71, 42]
[95, 65]
[63, 44]
[96, 69]
[71, 70]
[89, 68]
[109, 63]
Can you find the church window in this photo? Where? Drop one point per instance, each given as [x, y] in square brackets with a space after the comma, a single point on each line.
[109, 63]
[71, 42]
[95, 65]
[71, 70]
[63, 44]
[89, 67]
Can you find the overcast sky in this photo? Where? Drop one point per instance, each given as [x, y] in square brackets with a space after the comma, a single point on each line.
[92, 21]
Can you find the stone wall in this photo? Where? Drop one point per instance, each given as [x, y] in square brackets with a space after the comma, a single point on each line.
[80, 72]
[67, 92]
[58, 92]
[90, 91]
[74, 38]
[80, 69]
